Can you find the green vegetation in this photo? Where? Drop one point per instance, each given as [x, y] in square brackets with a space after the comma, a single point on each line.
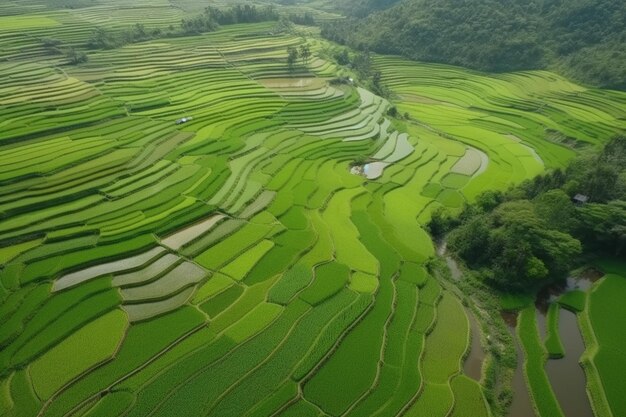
[190, 225]
[208, 21]
[553, 341]
[294, 280]
[26, 22]
[604, 341]
[468, 399]
[238, 268]
[362, 282]
[520, 249]
[532, 234]
[535, 356]
[494, 35]
[329, 279]
[256, 320]
[84, 349]
[573, 300]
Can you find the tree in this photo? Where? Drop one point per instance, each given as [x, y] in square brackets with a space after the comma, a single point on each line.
[471, 240]
[583, 39]
[489, 200]
[199, 24]
[363, 64]
[377, 86]
[601, 182]
[292, 58]
[601, 176]
[519, 249]
[75, 57]
[532, 234]
[441, 221]
[603, 227]
[140, 30]
[52, 45]
[306, 19]
[241, 14]
[102, 39]
[283, 25]
[556, 209]
[342, 58]
[305, 53]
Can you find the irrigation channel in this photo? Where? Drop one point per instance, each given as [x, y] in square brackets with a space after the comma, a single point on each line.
[521, 406]
[565, 374]
[474, 361]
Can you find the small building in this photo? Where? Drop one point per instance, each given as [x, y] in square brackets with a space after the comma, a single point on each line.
[183, 120]
[580, 199]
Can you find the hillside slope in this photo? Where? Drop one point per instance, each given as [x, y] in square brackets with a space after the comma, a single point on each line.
[582, 39]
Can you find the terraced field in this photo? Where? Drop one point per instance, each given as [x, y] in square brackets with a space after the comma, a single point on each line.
[602, 360]
[238, 264]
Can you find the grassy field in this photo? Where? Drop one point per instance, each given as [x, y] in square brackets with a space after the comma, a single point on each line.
[233, 265]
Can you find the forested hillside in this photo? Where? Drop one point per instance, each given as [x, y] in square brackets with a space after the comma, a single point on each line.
[582, 39]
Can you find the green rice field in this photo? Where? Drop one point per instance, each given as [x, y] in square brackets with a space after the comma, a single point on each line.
[233, 265]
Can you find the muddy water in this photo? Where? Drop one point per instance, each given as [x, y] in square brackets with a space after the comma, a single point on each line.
[521, 405]
[550, 294]
[566, 376]
[442, 250]
[441, 247]
[585, 280]
[474, 362]
[454, 268]
[455, 271]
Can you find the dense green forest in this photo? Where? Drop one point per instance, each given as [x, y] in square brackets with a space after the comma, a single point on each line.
[537, 232]
[582, 39]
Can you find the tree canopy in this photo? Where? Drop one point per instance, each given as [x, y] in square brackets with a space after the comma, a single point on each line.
[518, 247]
[583, 39]
[535, 233]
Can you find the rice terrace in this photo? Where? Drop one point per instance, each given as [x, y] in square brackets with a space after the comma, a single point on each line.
[213, 208]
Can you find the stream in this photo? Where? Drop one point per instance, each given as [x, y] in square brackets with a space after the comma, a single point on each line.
[473, 364]
[521, 406]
